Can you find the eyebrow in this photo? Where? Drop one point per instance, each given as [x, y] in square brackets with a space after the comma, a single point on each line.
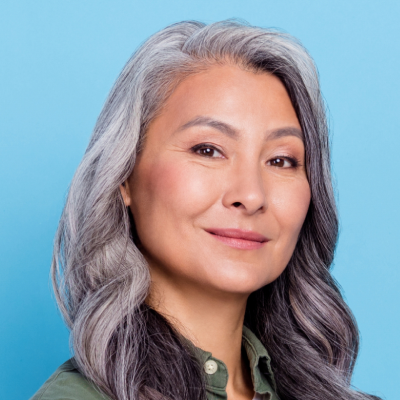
[213, 123]
[230, 131]
[288, 131]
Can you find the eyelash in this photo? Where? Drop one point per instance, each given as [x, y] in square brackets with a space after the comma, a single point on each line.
[295, 163]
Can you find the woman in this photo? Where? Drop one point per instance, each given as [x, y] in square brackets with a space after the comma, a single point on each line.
[192, 257]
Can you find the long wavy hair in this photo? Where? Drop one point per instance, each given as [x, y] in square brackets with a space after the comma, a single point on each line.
[101, 279]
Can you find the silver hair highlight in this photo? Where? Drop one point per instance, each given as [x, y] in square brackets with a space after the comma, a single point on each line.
[101, 279]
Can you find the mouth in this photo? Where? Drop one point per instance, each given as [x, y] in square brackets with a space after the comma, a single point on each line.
[238, 238]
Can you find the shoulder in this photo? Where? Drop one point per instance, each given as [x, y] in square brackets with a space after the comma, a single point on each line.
[67, 383]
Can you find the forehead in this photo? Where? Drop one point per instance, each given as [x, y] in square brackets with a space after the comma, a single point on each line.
[239, 99]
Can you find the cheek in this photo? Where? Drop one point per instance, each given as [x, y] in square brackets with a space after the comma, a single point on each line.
[168, 198]
[165, 186]
[170, 193]
[290, 206]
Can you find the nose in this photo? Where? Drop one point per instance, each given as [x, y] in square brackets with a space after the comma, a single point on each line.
[245, 190]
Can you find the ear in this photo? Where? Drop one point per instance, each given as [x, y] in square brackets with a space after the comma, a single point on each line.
[124, 188]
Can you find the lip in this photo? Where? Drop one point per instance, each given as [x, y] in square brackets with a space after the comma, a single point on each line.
[238, 238]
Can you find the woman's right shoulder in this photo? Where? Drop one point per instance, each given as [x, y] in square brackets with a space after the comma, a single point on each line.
[67, 383]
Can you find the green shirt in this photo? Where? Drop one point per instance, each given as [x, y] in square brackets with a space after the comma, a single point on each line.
[67, 383]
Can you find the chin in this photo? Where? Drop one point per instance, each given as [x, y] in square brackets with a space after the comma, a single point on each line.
[239, 280]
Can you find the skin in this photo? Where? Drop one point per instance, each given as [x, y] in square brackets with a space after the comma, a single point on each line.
[243, 177]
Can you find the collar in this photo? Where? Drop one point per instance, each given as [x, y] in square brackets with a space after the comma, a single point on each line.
[216, 372]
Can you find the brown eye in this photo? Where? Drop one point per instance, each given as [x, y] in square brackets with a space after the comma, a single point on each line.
[281, 162]
[278, 162]
[207, 151]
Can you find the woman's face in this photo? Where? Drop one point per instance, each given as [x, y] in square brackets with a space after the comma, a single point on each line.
[219, 193]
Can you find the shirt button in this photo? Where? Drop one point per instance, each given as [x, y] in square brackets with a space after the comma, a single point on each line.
[210, 367]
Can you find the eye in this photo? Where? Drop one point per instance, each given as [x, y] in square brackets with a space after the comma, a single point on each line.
[207, 150]
[283, 162]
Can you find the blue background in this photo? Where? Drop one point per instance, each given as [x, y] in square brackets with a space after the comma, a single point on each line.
[59, 59]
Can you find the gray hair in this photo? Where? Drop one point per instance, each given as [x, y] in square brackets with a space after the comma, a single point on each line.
[101, 279]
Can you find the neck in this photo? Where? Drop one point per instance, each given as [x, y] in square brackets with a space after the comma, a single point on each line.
[211, 320]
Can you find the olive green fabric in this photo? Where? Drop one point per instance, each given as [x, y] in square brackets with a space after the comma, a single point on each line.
[67, 383]
[260, 366]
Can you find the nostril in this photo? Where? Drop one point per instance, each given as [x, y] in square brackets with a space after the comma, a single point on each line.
[237, 204]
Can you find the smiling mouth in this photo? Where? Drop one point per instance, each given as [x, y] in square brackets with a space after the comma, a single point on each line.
[238, 238]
